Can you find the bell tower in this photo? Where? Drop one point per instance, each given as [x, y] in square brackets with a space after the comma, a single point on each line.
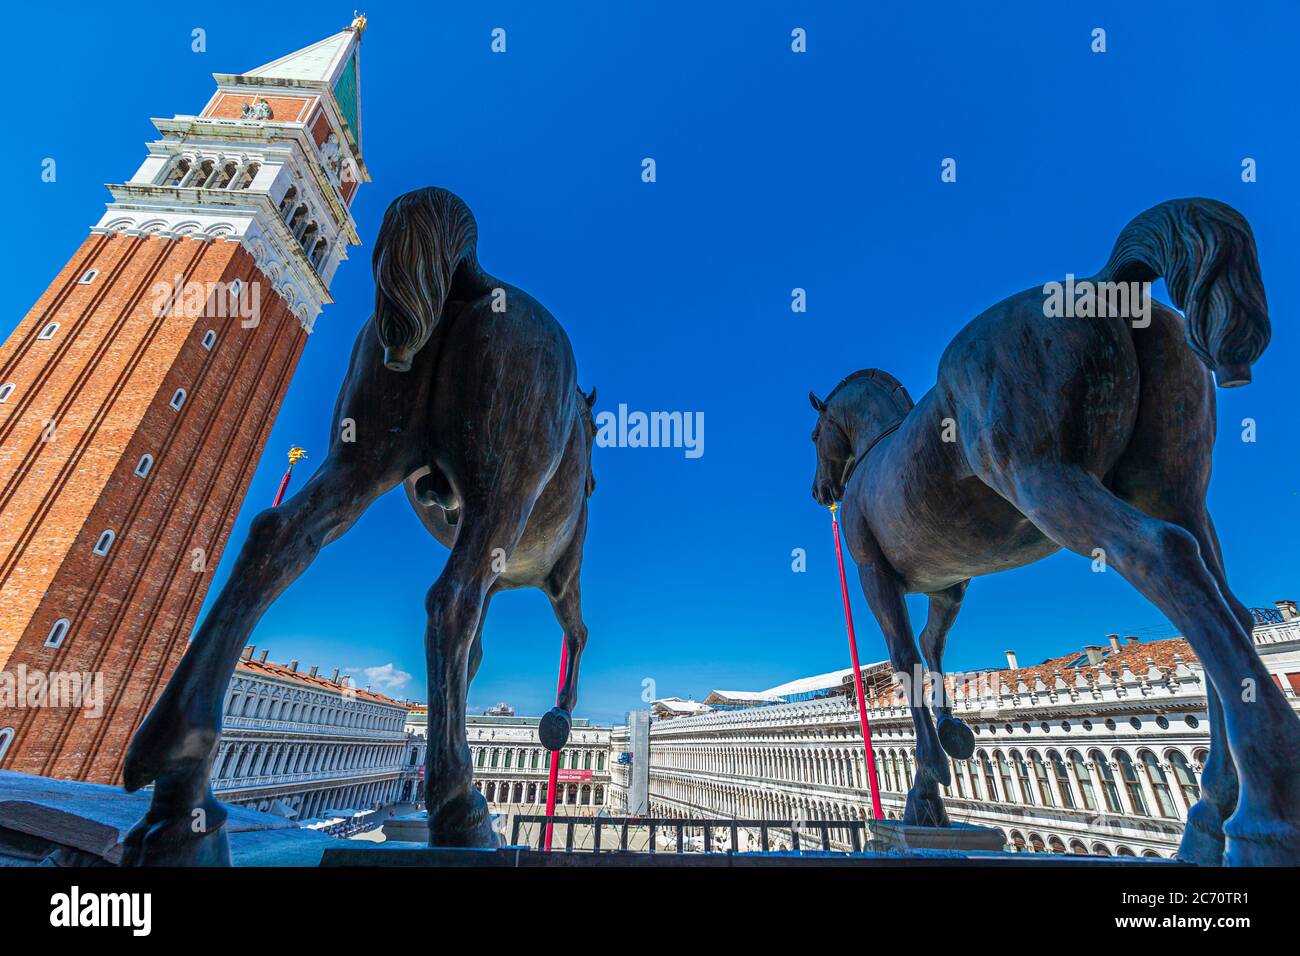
[137, 395]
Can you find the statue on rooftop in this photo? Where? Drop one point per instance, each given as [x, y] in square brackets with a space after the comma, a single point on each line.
[463, 389]
[1079, 415]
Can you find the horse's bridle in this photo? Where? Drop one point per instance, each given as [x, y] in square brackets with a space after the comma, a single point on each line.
[848, 471]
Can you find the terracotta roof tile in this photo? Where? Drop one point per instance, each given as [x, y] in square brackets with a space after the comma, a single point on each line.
[268, 669]
[1132, 656]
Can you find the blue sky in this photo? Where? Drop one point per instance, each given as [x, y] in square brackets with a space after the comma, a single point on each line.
[775, 171]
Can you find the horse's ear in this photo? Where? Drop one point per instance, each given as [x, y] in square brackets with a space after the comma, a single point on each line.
[591, 398]
[817, 403]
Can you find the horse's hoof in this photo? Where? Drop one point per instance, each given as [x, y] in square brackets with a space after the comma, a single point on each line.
[553, 729]
[925, 810]
[175, 843]
[169, 747]
[1203, 840]
[1273, 845]
[956, 738]
[464, 822]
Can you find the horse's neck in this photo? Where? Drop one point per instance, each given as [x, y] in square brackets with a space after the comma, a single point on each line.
[869, 425]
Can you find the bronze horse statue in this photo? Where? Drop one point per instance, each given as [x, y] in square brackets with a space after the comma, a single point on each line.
[464, 389]
[1093, 434]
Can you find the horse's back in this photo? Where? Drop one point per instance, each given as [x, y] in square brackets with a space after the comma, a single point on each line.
[1028, 388]
[504, 420]
[506, 376]
[935, 522]
[1016, 390]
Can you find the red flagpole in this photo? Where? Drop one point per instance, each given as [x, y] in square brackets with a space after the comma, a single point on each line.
[296, 455]
[857, 674]
[554, 775]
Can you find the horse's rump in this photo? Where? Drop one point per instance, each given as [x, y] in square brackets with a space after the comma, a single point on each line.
[1205, 252]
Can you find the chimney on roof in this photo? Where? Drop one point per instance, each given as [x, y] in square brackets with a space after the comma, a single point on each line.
[1131, 639]
[1114, 641]
[335, 678]
[1287, 609]
[314, 668]
[293, 666]
[265, 651]
[248, 651]
[1011, 660]
[1095, 653]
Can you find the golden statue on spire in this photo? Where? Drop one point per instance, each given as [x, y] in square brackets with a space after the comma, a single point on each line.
[358, 22]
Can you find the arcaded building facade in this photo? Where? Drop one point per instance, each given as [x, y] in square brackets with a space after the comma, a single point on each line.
[296, 743]
[1096, 752]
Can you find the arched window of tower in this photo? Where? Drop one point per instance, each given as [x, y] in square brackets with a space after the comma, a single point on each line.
[178, 399]
[104, 542]
[58, 632]
[202, 173]
[249, 174]
[224, 175]
[175, 172]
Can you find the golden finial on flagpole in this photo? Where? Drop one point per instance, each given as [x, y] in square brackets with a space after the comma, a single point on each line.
[296, 455]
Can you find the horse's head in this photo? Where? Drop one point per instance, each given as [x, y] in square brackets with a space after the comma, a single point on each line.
[857, 411]
[585, 405]
[427, 237]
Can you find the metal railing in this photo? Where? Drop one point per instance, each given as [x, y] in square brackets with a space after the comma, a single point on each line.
[794, 835]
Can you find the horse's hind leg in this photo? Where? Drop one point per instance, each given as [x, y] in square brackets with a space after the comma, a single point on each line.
[566, 600]
[1203, 839]
[476, 648]
[955, 737]
[1165, 473]
[1166, 563]
[458, 814]
[885, 597]
[176, 744]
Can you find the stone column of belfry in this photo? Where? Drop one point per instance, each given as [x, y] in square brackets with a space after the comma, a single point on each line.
[137, 395]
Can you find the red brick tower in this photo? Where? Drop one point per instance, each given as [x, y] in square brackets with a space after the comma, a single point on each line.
[137, 395]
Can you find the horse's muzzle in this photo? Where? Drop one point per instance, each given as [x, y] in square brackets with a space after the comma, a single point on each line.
[825, 493]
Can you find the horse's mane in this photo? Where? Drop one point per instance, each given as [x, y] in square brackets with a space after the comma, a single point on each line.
[880, 377]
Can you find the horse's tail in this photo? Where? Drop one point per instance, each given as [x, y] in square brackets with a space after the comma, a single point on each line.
[1205, 252]
[426, 236]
